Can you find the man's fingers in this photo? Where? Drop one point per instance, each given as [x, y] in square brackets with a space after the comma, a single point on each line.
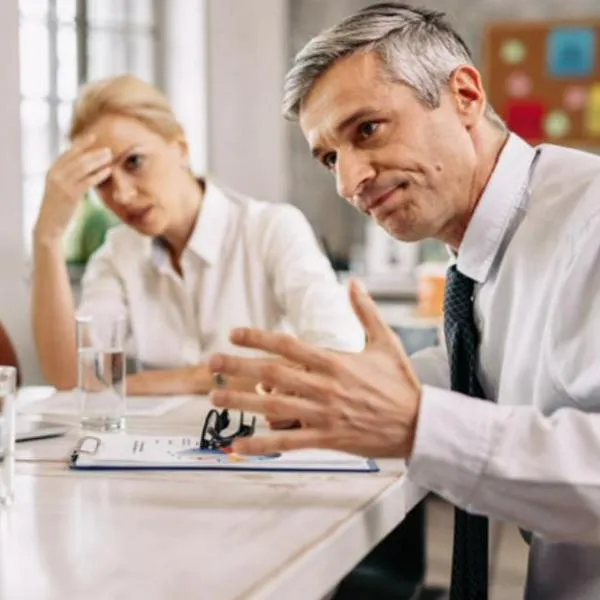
[227, 364]
[281, 441]
[286, 346]
[279, 425]
[272, 375]
[366, 310]
[274, 407]
[375, 326]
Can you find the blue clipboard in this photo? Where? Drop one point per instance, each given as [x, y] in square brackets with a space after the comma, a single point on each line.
[122, 451]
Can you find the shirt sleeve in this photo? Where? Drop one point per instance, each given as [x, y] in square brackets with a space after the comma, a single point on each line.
[431, 366]
[513, 462]
[315, 304]
[573, 349]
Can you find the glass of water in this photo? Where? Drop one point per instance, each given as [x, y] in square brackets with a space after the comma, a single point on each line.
[101, 370]
[8, 389]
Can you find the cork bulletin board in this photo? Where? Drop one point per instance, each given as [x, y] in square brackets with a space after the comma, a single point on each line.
[543, 78]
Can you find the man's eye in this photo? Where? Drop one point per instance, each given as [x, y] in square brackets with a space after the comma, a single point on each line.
[367, 129]
[329, 160]
[134, 162]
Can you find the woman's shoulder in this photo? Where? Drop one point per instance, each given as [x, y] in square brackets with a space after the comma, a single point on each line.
[264, 225]
[256, 211]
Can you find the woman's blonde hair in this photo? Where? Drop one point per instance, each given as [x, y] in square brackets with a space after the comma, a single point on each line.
[126, 96]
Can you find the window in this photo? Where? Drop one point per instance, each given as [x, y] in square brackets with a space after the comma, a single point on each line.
[63, 44]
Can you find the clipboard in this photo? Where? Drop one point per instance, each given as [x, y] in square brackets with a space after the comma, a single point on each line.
[122, 451]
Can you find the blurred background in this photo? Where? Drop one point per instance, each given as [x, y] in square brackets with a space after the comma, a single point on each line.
[222, 63]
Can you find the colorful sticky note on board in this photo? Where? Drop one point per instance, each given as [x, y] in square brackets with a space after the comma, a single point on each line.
[518, 85]
[575, 97]
[513, 51]
[526, 118]
[557, 124]
[591, 120]
[571, 52]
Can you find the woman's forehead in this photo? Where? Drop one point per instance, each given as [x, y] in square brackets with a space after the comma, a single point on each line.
[117, 133]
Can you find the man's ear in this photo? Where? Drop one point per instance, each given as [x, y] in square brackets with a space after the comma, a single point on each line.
[468, 94]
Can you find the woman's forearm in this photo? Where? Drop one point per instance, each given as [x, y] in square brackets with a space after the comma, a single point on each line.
[183, 380]
[53, 313]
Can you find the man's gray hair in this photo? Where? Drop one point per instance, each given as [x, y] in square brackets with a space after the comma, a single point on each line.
[416, 46]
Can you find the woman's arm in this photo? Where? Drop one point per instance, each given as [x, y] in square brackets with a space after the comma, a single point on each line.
[75, 172]
[53, 314]
[183, 380]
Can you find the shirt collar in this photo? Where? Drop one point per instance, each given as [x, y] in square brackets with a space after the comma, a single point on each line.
[211, 226]
[496, 209]
[208, 234]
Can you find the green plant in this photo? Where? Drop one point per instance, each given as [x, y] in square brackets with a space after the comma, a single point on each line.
[88, 230]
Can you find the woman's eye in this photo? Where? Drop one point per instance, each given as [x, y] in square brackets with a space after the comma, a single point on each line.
[134, 162]
[367, 129]
[329, 160]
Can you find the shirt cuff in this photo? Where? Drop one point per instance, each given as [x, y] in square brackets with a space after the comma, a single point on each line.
[452, 446]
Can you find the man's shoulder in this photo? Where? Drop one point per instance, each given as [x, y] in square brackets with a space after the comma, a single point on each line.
[565, 184]
[562, 161]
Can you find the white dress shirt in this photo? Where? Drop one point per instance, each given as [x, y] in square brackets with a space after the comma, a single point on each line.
[247, 263]
[533, 456]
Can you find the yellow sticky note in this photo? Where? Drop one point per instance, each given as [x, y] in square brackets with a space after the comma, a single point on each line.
[592, 112]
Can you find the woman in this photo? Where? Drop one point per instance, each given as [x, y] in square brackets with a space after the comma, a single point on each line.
[190, 261]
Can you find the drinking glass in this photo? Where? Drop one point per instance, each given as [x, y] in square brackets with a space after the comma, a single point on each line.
[101, 370]
[8, 388]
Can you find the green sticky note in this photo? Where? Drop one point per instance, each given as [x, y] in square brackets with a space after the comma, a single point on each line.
[513, 51]
[557, 124]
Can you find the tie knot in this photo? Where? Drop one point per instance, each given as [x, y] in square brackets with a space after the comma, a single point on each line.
[458, 298]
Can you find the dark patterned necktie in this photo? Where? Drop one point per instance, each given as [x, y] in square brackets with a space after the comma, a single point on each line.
[470, 548]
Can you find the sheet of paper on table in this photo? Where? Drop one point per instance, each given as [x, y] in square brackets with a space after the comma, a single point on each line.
[132, 451]
[67, 404]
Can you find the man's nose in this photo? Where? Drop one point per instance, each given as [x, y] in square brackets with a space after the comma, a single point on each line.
[353, 171]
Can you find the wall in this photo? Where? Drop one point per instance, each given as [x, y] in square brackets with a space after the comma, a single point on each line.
[310, 187]
[247, 56]
[183, 61]
[14, 294]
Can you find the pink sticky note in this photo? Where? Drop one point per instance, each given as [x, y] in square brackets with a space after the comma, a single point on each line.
[525, 118]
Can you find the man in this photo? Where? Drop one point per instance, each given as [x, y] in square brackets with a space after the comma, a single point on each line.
[390, 103]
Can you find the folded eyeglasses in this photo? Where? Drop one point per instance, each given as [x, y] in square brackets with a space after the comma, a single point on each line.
[214, 435]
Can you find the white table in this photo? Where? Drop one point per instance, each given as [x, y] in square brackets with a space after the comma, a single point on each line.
[206, 535]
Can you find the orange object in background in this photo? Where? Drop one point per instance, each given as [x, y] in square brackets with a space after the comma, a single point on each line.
[431, 285]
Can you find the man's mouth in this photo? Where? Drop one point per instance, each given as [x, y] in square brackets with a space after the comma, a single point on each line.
[371, 204]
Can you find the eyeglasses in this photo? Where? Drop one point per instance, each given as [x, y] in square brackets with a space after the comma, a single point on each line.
[213, 437]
